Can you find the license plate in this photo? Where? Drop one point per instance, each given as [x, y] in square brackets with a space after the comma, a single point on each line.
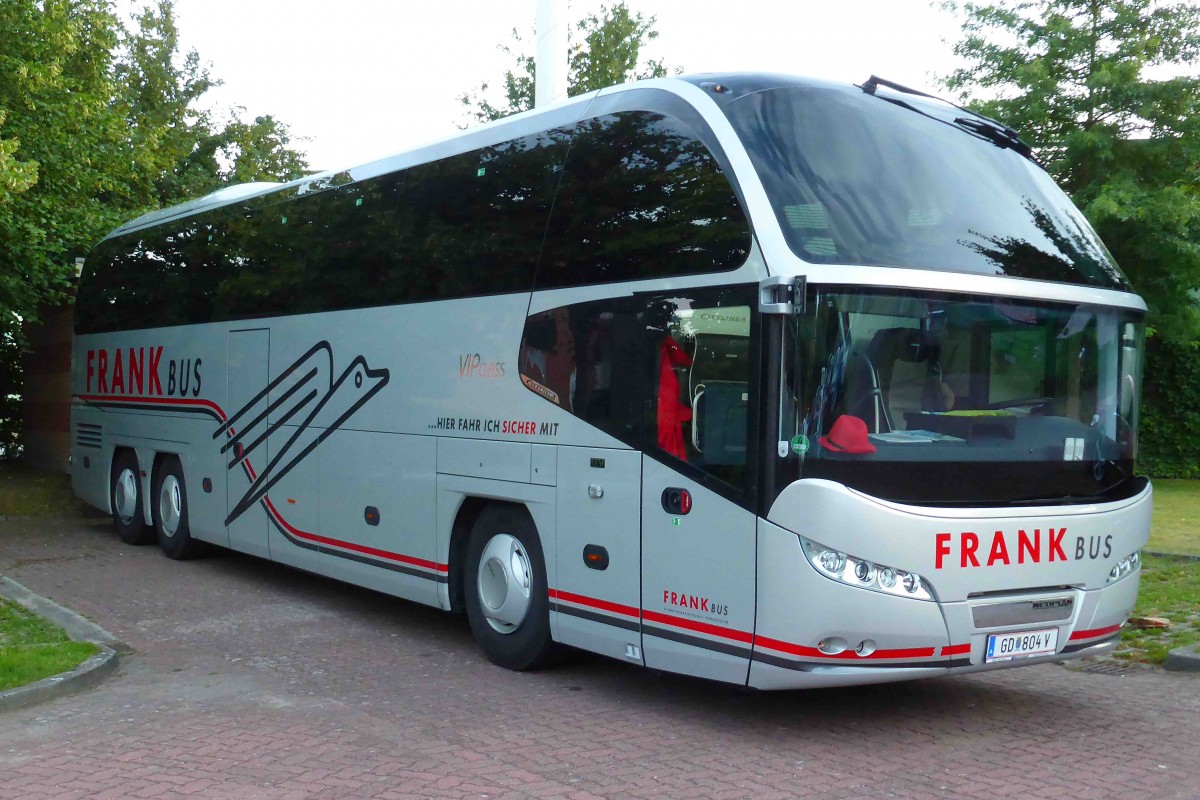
[1006, 646]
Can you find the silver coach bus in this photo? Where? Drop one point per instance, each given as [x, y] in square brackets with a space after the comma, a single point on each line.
[756, 378]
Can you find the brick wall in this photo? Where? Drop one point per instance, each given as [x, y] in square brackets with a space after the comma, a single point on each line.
[47, 393]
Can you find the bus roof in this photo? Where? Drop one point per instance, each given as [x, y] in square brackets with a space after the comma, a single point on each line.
[733, 85]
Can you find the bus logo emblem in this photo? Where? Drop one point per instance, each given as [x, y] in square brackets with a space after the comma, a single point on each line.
[307, 396]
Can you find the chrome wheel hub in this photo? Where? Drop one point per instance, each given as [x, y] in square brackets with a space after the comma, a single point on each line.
[170, 505]
[125, 496]
[504, 583]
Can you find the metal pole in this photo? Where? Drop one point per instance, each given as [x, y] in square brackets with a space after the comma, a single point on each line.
[550, 63]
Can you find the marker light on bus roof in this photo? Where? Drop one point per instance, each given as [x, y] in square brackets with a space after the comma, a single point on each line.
[865, 574]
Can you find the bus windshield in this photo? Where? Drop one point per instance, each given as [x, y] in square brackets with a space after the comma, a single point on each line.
[855, 178]
[948, 400]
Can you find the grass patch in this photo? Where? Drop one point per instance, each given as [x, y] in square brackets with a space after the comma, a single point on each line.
[28, 492]
[31, 648]
[1170, 589]
[1176, 527]
[1170, 586]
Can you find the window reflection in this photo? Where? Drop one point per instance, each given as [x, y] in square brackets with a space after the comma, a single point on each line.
[670, 374]
[855, 179]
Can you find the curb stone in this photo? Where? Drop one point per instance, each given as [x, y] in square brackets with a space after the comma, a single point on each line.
[1184, 659]
[1162, 554]
[88, 674]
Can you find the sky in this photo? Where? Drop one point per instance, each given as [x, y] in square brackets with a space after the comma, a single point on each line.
[361, 79]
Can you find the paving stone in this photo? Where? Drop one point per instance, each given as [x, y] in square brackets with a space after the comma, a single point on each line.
[252, 681]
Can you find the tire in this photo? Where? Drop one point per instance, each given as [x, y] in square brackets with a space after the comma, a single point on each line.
[125, 496]
[505, 590]
[170, 511]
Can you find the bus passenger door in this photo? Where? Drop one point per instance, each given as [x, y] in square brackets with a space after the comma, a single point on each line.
[697, 578]
[595, 589]
[698, 534]
[246, 379]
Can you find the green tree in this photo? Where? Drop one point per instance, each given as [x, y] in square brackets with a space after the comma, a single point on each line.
[15, 175]
[55, 85]
[98, 124]
[1072, 76]
[604, 49]
[109, 126]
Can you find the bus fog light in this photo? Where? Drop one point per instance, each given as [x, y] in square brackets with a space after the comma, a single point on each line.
[865, 647]
[832, 645]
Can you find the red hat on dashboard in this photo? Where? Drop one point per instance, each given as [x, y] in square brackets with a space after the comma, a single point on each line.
[848, 435]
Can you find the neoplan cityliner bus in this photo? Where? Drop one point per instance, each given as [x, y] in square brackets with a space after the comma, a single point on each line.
[761, 379]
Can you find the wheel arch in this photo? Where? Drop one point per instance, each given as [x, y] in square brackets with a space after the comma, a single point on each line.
[468, 513]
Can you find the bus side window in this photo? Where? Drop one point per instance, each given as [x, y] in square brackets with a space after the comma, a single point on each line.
[583, 359]
[704, 384]
[641, 197]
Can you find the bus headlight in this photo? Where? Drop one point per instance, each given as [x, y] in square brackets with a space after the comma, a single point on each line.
[1125, 566]
[865, 574]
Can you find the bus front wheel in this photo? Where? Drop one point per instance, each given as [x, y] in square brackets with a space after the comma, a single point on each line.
[169, 503]
[506, 598]
[126, 497]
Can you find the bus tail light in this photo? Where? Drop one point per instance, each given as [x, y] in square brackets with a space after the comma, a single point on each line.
[865, 574]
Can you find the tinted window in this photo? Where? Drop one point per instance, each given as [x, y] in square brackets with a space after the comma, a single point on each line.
[144, 280]
[641, 198]
[671, 374]
[466, 225]
[856, 179]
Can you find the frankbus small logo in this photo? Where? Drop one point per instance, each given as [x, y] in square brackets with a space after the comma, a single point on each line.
[695, 603]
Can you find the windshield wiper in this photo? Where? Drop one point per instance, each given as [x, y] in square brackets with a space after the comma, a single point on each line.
[977, 124]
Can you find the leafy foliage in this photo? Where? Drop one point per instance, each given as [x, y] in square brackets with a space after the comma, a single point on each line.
[100, 124]
[1170, 424]
[11, 381]
[604, 50]
[1074, 77]
[1071, 75]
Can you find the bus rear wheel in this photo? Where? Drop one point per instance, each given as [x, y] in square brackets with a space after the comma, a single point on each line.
[169, 504]
[506, 592]
[125, 494]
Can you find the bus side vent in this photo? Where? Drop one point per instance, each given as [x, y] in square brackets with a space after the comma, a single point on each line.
[88, 435]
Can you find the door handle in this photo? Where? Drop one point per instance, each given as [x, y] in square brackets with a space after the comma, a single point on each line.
[676, 501]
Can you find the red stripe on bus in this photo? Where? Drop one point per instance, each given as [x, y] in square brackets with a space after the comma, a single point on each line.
[358, 548]
[592, 602]
[700, 627]
[957, 650]
[812, 652]
[166, 401]
[1092, 634]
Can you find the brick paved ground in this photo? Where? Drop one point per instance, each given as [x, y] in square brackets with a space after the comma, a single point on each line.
[252, 681]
